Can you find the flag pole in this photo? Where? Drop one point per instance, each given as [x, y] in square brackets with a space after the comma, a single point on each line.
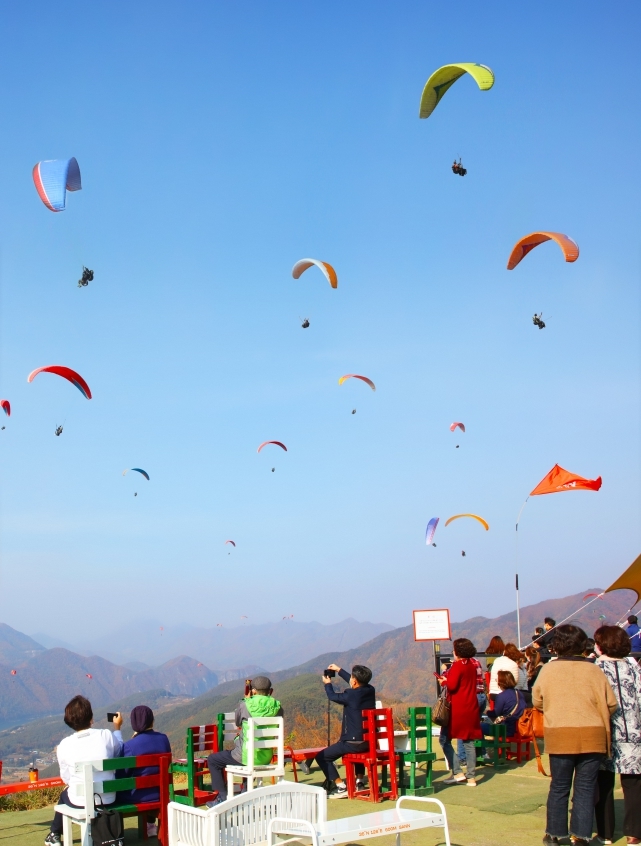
[518, 614]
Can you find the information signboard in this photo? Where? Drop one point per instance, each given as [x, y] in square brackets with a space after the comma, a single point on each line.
[432, 625]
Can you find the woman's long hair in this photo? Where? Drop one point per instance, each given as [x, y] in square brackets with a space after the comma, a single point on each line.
[495, 646]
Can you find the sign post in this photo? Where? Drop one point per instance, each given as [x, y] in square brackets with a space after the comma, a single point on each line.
[433, 625]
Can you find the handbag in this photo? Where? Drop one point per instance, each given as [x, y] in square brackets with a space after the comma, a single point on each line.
[107, 828]
[441, 710]
[530, 726]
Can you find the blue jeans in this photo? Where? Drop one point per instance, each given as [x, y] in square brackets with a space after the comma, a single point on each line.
[446, 746]
[460, 746]
[584, 769]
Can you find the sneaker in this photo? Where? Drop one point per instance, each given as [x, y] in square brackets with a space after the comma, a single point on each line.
[152, 830]
[53, 838]
[548, 840]
[340, 792]
[217, 801]
[303, 766]
[487, 759]
[471, 782]
[604, 841]
[361, 784]
[455, 779]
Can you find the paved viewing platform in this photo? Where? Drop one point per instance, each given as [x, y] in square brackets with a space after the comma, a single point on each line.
[507, 808]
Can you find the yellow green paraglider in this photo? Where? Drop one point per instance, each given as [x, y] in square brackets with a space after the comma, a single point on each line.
[443, 78]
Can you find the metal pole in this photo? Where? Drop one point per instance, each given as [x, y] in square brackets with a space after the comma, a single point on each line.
[518, 614]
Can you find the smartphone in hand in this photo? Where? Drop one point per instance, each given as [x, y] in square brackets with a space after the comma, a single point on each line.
[110, 716]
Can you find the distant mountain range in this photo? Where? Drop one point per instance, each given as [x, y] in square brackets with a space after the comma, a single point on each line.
[45, 679]
[275, 645]
[45, 683]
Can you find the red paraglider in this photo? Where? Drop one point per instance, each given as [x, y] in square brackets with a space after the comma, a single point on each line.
[454, 425]
[276, 443]
[66, 373]
[6, 406]
[14, 672]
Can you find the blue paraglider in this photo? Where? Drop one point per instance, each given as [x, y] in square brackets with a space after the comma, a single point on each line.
[53, 178]
[430, 531]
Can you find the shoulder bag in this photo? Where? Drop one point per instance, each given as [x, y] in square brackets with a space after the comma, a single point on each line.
[441, 710]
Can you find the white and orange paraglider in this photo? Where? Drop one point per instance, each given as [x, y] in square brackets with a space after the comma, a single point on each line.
[326, 269]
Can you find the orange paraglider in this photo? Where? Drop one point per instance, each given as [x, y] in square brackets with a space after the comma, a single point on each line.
[522, 247]
[483, 522]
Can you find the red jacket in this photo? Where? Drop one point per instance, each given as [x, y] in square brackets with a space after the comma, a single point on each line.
[461, 689]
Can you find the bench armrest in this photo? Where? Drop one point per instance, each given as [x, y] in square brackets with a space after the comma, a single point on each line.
[291, 826]
[426, 799]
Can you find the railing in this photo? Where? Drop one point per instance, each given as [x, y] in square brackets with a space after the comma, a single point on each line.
[25, 786]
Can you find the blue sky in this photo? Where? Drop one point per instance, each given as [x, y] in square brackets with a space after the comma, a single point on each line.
[219, 143]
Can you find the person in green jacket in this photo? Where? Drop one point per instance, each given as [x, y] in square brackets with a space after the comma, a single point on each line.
[259, 703]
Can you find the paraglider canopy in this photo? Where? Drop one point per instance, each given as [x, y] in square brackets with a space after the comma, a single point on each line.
[328, 271]
[430, 531]
[276, 443]
[454, 425]
[231, 542]
[356, 376]
[473, 516]
[53, 178]
[6, 407]
[443, 79]
[136, 470]
[66, 373]
[522, 247]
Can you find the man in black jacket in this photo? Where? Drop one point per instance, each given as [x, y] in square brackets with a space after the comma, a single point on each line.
[359, 696]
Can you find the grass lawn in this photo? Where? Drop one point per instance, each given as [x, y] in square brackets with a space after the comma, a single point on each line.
[507, 807]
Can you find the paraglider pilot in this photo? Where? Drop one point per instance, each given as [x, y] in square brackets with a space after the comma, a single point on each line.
[59, 431]
[457, 167]
[305, 323]
[537, 320]
[87, 277]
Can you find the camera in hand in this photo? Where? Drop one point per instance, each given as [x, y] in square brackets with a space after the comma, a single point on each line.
[110, 716]
[330, 674]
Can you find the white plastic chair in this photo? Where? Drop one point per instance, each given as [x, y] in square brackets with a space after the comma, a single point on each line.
[262, 733]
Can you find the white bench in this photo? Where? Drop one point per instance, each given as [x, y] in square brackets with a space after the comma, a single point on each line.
[294, 810]
[243, 820]
[350, 829]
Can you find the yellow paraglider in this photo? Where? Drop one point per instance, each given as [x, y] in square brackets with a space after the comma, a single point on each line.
[483, 523]
[443, 78]
[328, 271]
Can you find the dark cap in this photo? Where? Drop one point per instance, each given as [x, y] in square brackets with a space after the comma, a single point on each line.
[142, 718]
[261, 683]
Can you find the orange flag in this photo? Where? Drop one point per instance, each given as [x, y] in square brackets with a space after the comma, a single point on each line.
[558, 480]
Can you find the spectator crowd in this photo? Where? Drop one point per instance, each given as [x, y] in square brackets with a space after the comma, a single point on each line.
[588, 690]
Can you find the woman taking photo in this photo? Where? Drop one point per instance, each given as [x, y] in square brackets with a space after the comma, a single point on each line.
[612, 647]
[464, 710]
[577, 702]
